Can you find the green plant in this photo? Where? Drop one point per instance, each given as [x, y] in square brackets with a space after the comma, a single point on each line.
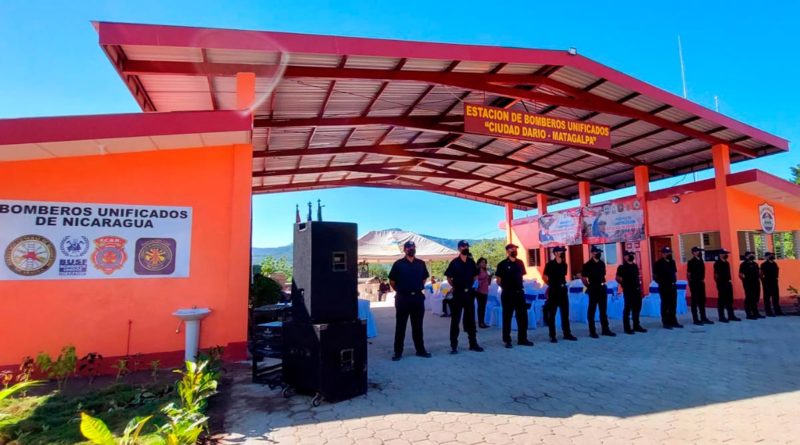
[5, 378]
[7, 392]
[17, 387]
[263, 291]
[155, 365]
[90, 365]
[271, 265]
[60, 368]
[378, 271]
[122, 369]
[26, 368]
[186, 420]
[98, 433]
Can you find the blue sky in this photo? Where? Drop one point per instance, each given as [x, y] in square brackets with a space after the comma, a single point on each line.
[744, 52]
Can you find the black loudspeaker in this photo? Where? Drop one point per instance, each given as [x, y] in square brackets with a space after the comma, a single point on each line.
[325, 276]
[329, 360]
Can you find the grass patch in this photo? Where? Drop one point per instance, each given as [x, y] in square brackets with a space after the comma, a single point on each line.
[54, 418]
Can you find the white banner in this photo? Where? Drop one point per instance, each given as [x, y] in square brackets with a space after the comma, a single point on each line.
[69, 241]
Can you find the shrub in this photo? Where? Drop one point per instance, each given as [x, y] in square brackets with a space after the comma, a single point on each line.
[60, 368]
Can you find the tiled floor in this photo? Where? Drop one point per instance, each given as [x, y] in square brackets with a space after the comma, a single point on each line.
[734, 383]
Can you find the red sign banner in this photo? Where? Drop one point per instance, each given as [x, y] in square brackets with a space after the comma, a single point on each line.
[509, 124]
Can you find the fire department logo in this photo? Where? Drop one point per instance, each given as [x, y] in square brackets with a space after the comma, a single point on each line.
[766, 214]
[109, 254]
[155, 256]
[30, 255]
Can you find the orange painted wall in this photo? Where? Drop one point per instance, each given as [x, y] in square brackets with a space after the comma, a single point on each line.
[698, 212]
[93, 315]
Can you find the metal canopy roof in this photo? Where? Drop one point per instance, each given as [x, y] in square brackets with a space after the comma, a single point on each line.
[339, 111]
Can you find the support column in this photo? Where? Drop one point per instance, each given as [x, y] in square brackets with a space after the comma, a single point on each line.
[245, 90]
[541, 206]
[641, 177]
[242, 210]
[509, 218]
[721, 157]
[585, 195]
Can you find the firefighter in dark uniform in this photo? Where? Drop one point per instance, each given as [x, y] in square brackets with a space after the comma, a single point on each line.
[461, 274]
[594, 278]
[407, 277]
[769, 281]
[665, 273]
[509, 275]
[555, 276]
[750, 275]
[696, 273]
[722, 276]
[628, 277]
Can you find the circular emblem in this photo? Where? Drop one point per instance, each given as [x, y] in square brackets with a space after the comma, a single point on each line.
[30, 255]
[74, 246]
[155, 255]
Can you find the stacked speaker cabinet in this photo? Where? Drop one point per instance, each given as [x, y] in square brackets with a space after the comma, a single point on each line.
[325, 344]
[325, 284]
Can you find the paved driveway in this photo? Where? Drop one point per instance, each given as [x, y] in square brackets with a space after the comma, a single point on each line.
[734, 383]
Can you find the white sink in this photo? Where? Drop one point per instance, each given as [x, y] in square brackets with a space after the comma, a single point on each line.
[191, 317]
[192, 314]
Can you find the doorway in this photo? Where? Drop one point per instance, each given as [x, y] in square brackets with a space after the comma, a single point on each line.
[575, 260]
[656, 244]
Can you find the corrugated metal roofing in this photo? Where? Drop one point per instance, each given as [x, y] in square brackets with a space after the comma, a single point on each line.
[360, 128]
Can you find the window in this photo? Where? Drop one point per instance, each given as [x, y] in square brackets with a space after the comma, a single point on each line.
[534, 257]
[703, 240]
[784, 245]
[753, 241]
[609, 252]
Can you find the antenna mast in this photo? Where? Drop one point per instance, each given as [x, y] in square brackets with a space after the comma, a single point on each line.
[683, 69]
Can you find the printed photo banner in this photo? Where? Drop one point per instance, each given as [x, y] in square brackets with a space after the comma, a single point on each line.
[73, 241]
[614, 222]
[560, 228]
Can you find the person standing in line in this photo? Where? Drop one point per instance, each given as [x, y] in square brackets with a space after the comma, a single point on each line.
[594, 278]
[482, 293]
[722, 276]
[696, 274]
[769, 281]
[461, 274]
[628, 278]
[750, 275]
[555, 277]
[509, 275]
[407, 277]
[665, 273]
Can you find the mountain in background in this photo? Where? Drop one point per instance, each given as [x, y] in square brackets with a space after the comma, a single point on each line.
[259, 253]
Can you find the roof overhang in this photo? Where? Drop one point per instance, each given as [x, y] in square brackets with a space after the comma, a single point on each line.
[342, 111]
[764, 185]
[54, 137]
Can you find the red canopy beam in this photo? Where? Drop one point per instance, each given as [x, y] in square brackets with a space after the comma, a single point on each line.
[408, 150]
[334, 169]
[476, 81]
[382, 182]
[427, 124]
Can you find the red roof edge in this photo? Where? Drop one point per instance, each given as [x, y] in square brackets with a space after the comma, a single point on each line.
[109, 126]
[764, 178]
[178, 36]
